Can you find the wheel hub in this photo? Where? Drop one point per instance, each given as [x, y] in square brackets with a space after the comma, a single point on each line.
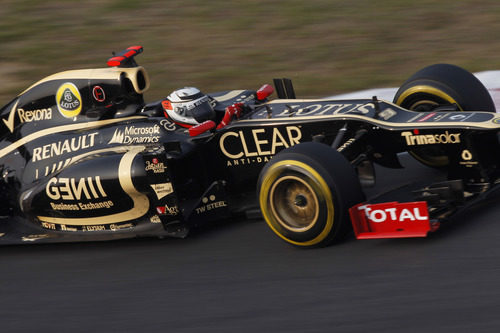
[300, 201]
[294, 203]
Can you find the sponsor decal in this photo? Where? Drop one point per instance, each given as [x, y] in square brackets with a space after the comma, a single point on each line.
[459, 117]
[82, 206]
[467, 159]
[48, 225]
[53, 130]
[65, 227]
[133, 135]
[245, 161]
[346, 144]
[27, 116]
[430, 139]
[324, 109]
[394, 214]
[182, 109]
[168, 125]
[71, 189]
[155, 219]
[391, 220]
[98, 94]
[495, 121]
[59, 187]
[440, 117]
[171, 210]
[210, 204]
[63, 206]
[387, 114]
[68, 100]
[235, 144]
[412, 119]
[155, 166]
[434, 116]
[63, 147]
[205, 199]
[429, 116]
[466, 155]
[95, 227]
[168, 210]
[318, 109]
[162, 190]
[115, 227]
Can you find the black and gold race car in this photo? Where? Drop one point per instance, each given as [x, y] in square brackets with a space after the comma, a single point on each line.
[83, 157]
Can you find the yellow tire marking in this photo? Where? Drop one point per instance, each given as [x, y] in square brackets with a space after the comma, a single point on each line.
[427, 90]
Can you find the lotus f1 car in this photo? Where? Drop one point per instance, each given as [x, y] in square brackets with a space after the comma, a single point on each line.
[83, 157]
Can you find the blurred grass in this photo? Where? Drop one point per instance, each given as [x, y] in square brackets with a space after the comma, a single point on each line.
[325, 46]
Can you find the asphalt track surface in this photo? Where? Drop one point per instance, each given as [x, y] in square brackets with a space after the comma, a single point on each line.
[240, 277]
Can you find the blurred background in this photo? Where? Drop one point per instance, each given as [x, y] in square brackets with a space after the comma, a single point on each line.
[325, 46]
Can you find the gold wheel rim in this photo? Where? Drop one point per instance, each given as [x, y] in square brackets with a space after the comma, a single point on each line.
[294, 204]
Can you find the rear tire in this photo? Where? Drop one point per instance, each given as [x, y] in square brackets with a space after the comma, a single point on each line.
[439, 85]
[305, 193]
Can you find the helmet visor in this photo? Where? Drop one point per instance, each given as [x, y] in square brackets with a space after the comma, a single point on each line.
[202, 112]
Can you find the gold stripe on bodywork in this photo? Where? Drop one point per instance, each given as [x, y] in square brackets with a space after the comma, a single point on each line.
[60, 129]
[111, 73]
[487, 124]
[140, 200]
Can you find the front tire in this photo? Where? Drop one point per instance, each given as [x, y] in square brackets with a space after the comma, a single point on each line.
[437, 86]
[305, 193]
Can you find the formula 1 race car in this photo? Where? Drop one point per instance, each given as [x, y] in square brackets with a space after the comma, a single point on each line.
[83, 157]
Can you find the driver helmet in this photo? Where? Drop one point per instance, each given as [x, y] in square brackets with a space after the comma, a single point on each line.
[188, 106]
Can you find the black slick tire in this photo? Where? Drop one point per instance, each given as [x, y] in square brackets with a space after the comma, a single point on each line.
[305, 193]
[439, 85]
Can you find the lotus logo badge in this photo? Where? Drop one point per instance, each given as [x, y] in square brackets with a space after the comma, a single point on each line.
[68, 100]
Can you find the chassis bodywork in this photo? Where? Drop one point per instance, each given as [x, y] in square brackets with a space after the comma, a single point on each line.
[82, 157]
